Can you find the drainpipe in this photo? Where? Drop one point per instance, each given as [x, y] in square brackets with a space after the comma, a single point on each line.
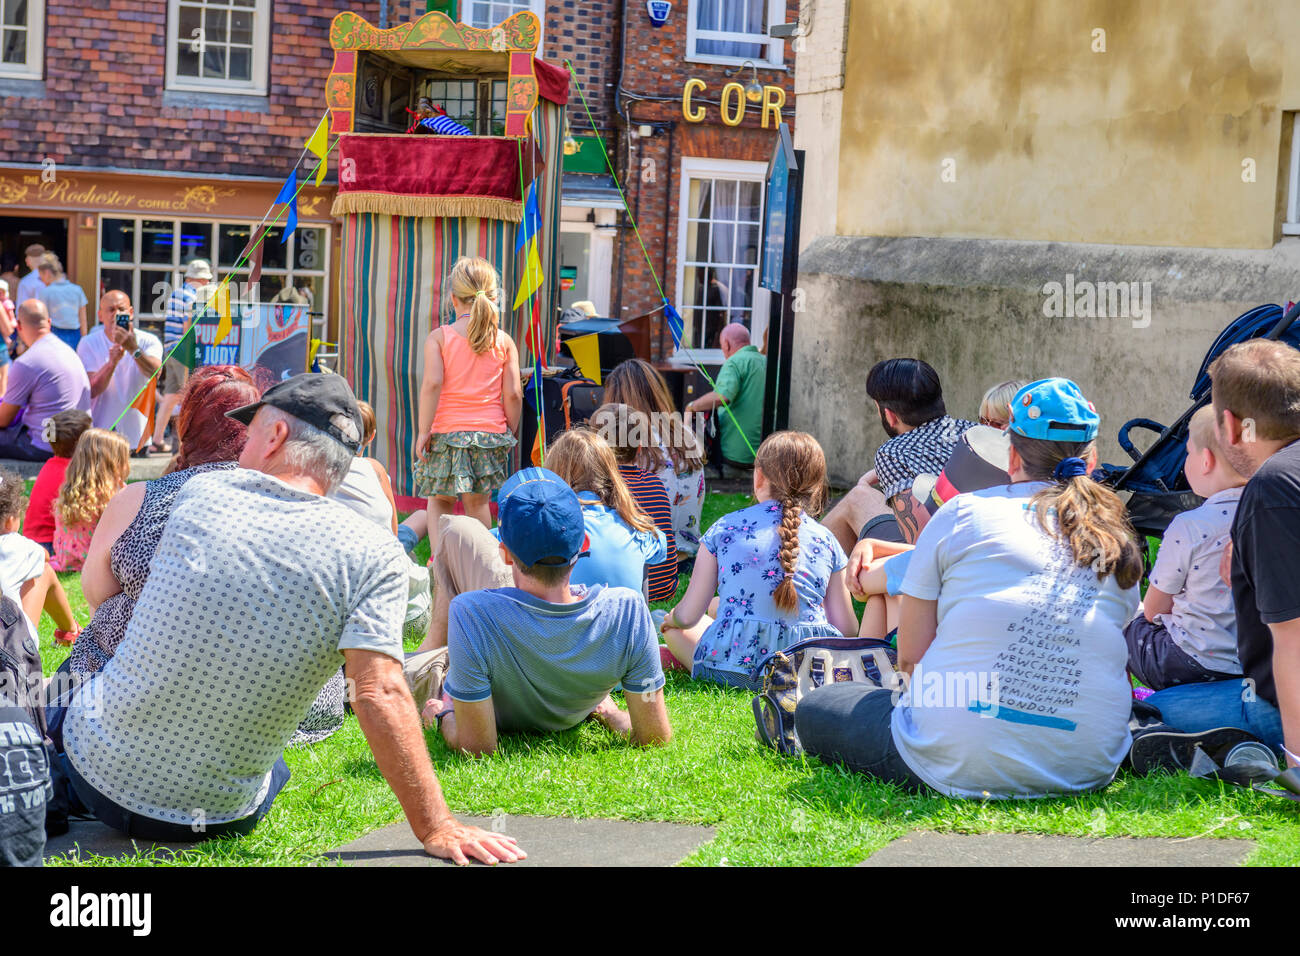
[617, 309]
[668, 198]
[383, 14]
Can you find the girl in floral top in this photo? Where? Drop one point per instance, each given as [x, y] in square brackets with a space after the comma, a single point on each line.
[98, 469]
[779, 574]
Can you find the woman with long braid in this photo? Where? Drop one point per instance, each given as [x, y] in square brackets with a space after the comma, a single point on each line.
[779, 575]
[1011, 630]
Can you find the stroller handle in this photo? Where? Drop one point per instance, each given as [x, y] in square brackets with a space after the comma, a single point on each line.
[1284, 323]
[1127, 443]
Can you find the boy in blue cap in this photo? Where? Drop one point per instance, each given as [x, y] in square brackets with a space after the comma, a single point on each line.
[543, 656]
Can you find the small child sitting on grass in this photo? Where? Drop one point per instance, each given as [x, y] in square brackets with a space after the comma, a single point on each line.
[25, 573]
[1187, 631]
[876, 568]
[542, 656]
[99, 468]
[62, 432]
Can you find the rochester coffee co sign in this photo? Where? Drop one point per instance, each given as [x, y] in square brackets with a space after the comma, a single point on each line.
[40, 189]
[52, 189]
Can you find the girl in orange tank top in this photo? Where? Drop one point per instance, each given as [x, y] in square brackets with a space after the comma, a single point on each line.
[470, 401]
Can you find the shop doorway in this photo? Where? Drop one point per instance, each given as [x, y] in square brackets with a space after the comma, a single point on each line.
[575, 261]
[19, 232]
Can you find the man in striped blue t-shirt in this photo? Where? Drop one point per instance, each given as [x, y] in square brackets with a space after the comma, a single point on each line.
[181, 309]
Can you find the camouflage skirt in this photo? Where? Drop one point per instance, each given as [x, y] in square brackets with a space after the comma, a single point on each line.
[465, 463]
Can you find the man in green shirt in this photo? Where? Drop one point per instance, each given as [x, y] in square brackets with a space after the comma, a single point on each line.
[740, 386]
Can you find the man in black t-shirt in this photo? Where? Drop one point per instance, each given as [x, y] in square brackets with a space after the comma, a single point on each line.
[1256, 388]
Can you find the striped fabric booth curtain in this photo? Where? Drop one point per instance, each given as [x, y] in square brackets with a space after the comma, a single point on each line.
[393, 292]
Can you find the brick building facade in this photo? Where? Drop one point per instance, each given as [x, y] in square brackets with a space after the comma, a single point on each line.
[677, 158]
[129, 158]
[695, 187]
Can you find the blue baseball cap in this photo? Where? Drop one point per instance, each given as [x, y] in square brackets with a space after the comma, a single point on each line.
[1054, 409]
[541, 518]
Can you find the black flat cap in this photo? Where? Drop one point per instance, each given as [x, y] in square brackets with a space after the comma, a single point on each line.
[323, 400]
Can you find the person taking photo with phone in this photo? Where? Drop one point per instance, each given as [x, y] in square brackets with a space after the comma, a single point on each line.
[119, 359]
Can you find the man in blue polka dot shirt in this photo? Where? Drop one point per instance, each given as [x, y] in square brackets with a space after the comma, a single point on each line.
[260, 588]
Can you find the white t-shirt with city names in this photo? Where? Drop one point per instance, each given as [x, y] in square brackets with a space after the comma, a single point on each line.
[254, 592]
[1024, 690]
[126, 383]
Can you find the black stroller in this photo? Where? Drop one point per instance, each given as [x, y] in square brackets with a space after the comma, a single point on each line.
[1157, 488]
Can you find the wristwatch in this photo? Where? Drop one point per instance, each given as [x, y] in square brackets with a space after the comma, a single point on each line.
[137, 353]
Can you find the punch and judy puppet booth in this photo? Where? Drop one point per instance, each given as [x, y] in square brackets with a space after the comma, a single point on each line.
[443, 130]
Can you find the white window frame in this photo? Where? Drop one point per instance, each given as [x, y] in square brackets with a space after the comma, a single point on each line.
[775, 58]
[143, 299]
[257, 86]
[694, 167]
[34, 66]
[1291, 223]
[536, 6]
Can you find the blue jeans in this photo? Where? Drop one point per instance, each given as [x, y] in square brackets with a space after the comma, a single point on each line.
[70, 336]
[407, 537]
[1193, 708]
[85, 799]
[850, 724]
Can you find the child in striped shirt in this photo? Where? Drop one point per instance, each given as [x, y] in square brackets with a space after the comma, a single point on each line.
[649, 492]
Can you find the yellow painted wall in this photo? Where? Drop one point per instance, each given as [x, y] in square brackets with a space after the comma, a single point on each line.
[1142, 144]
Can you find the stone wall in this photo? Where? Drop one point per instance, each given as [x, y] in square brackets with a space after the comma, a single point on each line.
[974, 309]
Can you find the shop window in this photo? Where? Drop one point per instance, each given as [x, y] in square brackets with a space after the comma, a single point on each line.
[146, 258]
[218, 45]
[733, 31]
[719, 238]
[22, 38]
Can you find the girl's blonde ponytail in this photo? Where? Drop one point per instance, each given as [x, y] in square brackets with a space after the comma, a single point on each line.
[475, 281]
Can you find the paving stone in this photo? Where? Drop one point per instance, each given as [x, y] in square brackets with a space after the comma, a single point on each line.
[549, 841]
[89, 837]
[923, 848]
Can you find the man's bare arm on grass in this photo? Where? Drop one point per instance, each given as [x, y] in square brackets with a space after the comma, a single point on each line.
[386, 712]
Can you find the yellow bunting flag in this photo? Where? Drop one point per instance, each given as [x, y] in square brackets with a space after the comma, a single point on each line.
[319, 145]
[532, 279]
[223, 310]
[586, 352]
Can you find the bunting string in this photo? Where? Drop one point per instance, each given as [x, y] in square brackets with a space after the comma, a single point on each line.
[671, 316]
[258, 236]
[534, 334]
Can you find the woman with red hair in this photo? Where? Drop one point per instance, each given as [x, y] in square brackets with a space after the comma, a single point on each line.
[117, 565]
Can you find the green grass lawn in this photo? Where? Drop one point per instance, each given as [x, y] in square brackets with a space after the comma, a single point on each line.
[767, 809]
